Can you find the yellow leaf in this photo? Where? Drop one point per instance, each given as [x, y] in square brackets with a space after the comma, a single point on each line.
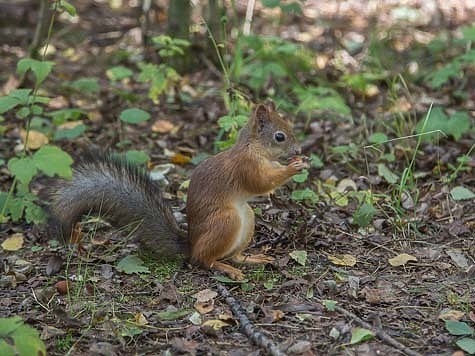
[13, 243]
[401, 260]
[215, 324]
[70, 124]
[179, 158]
[451, 315]
[343, 260]
[140, 319]
[346, 185]
[162, 126]
[35, 139]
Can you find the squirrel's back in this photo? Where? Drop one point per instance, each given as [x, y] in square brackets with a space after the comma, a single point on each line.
[122, 193]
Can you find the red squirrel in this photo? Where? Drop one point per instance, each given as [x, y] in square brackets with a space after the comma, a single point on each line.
[220, 221]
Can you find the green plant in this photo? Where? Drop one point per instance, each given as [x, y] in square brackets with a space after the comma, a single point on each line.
[458, 64]
[17, 338]
[64, 343]
[459, 328]
[19, 202]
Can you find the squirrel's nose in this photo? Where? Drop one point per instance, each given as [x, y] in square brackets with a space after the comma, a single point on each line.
[297, 150]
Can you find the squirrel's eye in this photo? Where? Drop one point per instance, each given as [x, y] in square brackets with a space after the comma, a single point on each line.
[280, 136]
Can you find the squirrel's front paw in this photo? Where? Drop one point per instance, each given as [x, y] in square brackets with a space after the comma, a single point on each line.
[235, 274]
[297, 165]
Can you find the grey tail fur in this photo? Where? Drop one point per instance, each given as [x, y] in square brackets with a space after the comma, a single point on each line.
[122, 193]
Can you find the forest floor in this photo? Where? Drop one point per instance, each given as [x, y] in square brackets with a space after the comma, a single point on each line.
[412, 268]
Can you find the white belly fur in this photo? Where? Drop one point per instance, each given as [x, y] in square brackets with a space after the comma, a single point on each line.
[242, 209]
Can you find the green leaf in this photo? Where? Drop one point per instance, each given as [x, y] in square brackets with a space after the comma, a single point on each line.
[467, 344]
[301, 177]
[22, 95]
[269, 285]
[293, 7]
[316, 161]
[360, 335]
[458, 328]
[6, 349]
[70, 9]
[22, 168]
[23, 112]
[52, 160]
[444, 74]
[15, 208]
[8, 103]
[63, 115]
[173, 315]
[299, 256]
[364, 215]
[89, 85]
[461, 193]
[137, 157]
[134, 116]
[271, 3]
[40, 69]
[458, 124]
[228, 122]
[23, 340]
[468, 33]
[34, 213]
[388, 176]
[118, 73]
[330, 304]
[305, 194]
[132, 264]
[71, 133]
[378, 138]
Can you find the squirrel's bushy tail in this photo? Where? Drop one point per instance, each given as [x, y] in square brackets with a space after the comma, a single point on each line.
[122, 193]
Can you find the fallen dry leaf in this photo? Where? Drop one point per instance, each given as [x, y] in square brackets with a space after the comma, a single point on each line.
[12, 83]
[272, 315]
[204, 307]
[401, 260]
[59, 102]
[205, 301]
[70, 124]
[140, 319]
[62, 287]
[451, 315]
[95, 116]
[13, 243]
[343, 260]
[215, 324]
[346, 185]
[36, 139]
[162, 126]
[205, 295]
[179, 158]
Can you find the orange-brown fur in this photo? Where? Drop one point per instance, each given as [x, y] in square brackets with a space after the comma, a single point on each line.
[221, 186]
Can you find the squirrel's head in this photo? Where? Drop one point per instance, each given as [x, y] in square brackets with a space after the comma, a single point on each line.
[273, 134]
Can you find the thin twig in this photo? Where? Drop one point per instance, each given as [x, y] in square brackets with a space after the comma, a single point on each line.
[381, 334]
[247, 328]
[249, 12]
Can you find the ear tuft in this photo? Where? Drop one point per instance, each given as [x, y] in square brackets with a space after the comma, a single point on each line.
[261, 115]
[270, 105]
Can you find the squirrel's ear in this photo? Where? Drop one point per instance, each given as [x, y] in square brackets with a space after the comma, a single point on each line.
[270, 105]
[260, 117]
